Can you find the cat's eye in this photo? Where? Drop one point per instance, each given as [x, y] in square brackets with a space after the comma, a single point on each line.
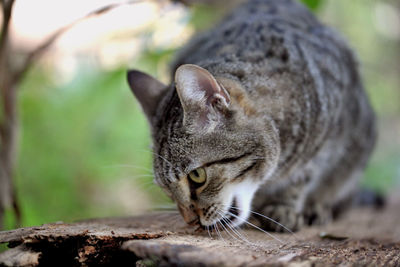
[198, 176]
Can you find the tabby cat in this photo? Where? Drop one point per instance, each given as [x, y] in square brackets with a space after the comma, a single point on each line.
[266, 113]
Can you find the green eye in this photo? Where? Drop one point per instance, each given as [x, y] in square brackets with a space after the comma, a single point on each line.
[198, 176]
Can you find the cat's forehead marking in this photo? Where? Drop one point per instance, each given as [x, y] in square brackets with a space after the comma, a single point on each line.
[238, 95]
[180, 191]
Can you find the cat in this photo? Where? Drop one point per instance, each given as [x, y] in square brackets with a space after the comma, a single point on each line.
[267, 113]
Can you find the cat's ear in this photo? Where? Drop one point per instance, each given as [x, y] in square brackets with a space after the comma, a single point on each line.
[147, 90]
[204, 101]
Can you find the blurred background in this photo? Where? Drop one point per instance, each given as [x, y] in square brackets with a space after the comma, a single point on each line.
[83, 147]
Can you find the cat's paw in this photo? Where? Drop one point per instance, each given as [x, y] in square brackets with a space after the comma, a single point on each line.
[281, 217]
[317, 214]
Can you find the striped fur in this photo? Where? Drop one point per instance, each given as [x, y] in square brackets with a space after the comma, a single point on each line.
[300, 128]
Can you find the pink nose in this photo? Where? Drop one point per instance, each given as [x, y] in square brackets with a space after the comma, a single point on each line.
[190, 214]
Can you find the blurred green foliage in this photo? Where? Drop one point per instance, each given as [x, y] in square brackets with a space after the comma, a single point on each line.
[201, 17]
[312, 4]
[75, 140]
[78, 141]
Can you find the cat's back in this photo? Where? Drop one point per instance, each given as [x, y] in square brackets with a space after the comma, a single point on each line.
[299, 71]
[262, 41]
[260, 32]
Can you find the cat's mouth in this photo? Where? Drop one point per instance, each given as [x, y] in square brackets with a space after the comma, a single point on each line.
[228, 219]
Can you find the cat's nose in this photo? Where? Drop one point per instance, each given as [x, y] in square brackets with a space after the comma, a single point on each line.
[190, 214]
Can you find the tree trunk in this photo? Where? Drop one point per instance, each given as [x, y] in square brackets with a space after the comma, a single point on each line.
[363, 237]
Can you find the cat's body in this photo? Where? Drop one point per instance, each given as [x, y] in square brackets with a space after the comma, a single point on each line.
[281, 111]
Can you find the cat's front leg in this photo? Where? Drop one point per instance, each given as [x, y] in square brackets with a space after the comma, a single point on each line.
[284, 217]
[282, 208]
[280, 218]
[317, 213]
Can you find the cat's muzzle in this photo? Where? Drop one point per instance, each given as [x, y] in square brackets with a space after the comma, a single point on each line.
[190, 214]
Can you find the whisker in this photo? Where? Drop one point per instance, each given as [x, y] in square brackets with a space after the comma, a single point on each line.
[222, 218]
[142, 175]
[141, 180]
[129, 166]
[214, 229]
[164, 159]
[256, 227]
[229, 224]
[165, 208]
[144, 150]
[236, 230]
[268, 218]
[155, 154]
[222, 232]
[240, 237]
[225, 221]
[219, 232]
[145, 185]
[226, 231]
[208, 231]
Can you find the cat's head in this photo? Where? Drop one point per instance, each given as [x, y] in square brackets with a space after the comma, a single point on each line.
[212, 149]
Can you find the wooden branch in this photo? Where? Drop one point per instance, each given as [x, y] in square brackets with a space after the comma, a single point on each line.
[8, 119]
[364, 237]
[39, 50]
[7, 6]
